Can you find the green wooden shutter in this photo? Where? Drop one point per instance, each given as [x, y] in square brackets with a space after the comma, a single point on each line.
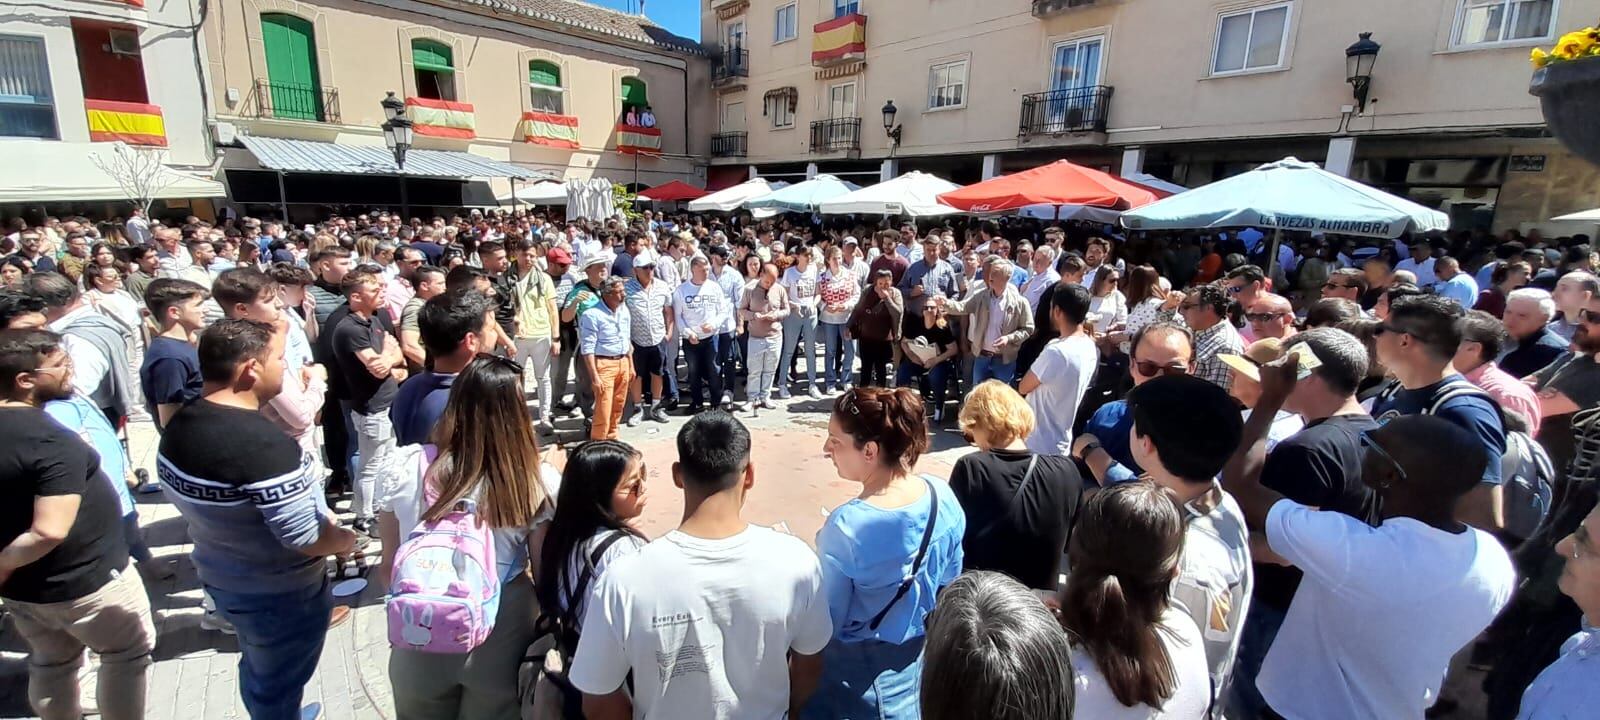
[633, 92]
[291, 49]
[544, 73]
[426, 55]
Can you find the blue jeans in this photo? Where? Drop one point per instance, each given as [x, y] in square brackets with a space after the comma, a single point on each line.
[727, 347]
[800, 331]
[669, 359]
[868, 679]
[280, 641]
[704, 373]
[938, 376]
[993, 367]
[835, 372]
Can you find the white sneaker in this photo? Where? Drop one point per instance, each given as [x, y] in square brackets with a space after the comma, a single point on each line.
[633, 417]
[727, 399]
[814, 393]
[215, 621]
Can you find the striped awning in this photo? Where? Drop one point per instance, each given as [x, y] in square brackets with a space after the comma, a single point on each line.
[319, 157]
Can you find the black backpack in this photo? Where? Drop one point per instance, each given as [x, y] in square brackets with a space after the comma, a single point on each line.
[563, 627]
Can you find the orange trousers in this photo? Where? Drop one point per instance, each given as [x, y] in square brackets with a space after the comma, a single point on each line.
[610, 395]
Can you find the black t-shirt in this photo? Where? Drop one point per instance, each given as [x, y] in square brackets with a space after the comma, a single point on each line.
[1024, 539]
[940, 337]
[505, 298]
[40, 458]
[1319, 466]
[367, 394]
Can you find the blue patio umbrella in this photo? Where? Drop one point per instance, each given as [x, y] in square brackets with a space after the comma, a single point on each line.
[804, 196]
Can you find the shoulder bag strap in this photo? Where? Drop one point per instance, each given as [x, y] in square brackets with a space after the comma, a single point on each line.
[916, 565]
[581, 588]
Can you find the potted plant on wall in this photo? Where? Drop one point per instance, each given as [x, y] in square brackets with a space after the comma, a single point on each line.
[1566, 79]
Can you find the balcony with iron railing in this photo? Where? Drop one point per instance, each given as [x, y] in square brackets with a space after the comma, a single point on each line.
[289, 101]
[1052, 8]
[731, 67]
[1072, 110]
[729, 144]
[836, 135]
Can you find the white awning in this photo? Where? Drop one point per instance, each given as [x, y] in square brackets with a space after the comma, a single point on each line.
[542, 193]
[321, 157]
[44, 172]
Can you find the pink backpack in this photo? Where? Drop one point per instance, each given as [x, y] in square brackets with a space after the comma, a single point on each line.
[445, 588]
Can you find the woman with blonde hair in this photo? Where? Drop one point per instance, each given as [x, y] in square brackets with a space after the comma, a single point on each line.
[1020, 505]
[483, 451]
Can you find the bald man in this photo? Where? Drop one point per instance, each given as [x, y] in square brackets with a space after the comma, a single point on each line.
[1454, 284]
[1270, 316]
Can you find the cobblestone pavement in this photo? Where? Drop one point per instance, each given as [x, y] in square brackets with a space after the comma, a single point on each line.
[195, 674]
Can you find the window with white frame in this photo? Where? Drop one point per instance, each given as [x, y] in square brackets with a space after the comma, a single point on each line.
[783, 23]
[27, 108]
[1254, 39]
[842, 8]
[545, 92]
[1482, 22]
[947, 85]
[780, 107]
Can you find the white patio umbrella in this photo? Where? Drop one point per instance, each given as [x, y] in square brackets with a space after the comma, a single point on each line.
[733, 198]
[1586, 215]
[1071, 212]
[913, 194]
[804, 196]
[541, 193]
[1153, 182]
[1288, 195]
[590, 199]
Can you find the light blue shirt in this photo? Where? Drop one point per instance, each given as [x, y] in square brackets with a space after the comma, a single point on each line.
[1460, 288]
[1019, 275]
[867, 552]
[77, 414]
[732, 283]
[1485, 275]
[1570, 687]
[911, 253]
[937, 278]
[603, 331]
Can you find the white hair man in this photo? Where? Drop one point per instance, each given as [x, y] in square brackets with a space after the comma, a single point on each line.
[1534, 342]
[1573, 293]
[1043, 277]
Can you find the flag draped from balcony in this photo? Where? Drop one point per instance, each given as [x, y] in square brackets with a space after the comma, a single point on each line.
[549, 130]
[442, 118]
[633, 139]
[132, 123]
[838, 38]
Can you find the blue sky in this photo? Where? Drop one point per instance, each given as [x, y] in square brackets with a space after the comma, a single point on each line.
[679, 16]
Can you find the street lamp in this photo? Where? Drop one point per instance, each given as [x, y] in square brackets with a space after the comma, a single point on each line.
[397, 131]
[889, 127]
[1358, 61]
[392, 106]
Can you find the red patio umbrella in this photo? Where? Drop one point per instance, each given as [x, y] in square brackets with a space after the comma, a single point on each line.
[1059, 183]
[672, 191]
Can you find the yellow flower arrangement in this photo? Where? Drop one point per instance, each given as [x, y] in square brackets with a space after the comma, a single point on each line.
[1572, 46]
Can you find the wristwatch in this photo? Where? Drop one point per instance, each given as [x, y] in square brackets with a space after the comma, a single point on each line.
[1083, 454]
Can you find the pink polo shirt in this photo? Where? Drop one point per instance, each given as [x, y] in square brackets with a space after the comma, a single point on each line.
[1511, 393]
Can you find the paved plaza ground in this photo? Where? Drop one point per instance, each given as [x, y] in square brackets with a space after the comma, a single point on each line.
[195, 671]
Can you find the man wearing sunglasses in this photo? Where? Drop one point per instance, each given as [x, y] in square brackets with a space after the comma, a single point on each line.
[1245, 284]
[1417, 343]
[1159, 349]
[1371, 630]
[1270, 316]
[1205, 310]
[1347, 283]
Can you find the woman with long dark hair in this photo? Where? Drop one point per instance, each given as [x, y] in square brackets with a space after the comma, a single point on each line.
[603, 492]
[1135, 655]
[1148, 302]
[484, 450]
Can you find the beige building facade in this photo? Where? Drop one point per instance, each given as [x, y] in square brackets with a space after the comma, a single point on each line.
[560, 87]
[1189, 91]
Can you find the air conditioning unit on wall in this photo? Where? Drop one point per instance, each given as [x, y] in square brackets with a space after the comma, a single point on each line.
[123, 42]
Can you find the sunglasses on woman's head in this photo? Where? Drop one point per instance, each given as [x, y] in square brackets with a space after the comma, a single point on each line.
[500, 360]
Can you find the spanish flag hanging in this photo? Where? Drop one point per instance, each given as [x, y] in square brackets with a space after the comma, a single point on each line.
[549, 130]
[132, 123]
[637, 140]
[838, 39]
[441, 118]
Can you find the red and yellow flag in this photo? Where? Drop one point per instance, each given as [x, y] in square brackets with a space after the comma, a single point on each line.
[633, 139]
[442, 118]
[549, 130]
[132, 123]
[840, 37]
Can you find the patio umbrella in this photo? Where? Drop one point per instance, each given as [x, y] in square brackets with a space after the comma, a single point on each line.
[671, 192]
[1156, 183]
[1059, 183]
[734, 197]
[1288, 195]
[803, 196]
[914, 194]
[1586, 215]
[590, 199]
[541, 193]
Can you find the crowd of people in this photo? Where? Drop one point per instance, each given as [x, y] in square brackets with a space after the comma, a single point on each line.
[1212, 475]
